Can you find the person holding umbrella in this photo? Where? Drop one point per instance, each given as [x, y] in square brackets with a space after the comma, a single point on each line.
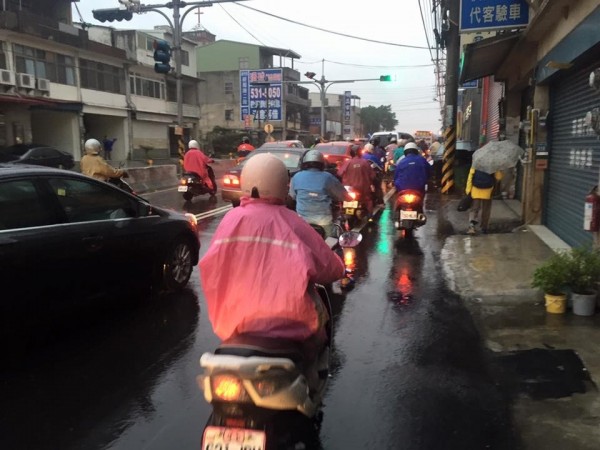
[488, 163]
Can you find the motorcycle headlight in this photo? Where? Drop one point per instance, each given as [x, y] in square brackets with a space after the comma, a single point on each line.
[192, 219]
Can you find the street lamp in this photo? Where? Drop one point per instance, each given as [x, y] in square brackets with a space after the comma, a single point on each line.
[323, 84]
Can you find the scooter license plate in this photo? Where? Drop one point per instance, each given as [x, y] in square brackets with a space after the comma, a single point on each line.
[182, 189]
[353, 204]
[349, 211]
[408, 215]
[216, 438]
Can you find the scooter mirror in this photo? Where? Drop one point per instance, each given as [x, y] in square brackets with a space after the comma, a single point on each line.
[350, 239]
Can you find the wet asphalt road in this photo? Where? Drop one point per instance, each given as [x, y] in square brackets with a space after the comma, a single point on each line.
[410, 371]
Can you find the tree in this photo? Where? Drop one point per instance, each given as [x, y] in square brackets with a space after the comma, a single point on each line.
[379, 118]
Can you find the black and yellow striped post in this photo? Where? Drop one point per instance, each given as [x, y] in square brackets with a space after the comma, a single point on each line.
[180, 150]
[448, 160]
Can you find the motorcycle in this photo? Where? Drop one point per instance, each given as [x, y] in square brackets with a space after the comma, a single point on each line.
[353, 211]
[408, 212]
[191, 185]
[266, 392]
[121, 184]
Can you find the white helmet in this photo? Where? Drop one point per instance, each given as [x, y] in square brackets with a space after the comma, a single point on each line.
[193, 144]
[92, 146]
[267, 174]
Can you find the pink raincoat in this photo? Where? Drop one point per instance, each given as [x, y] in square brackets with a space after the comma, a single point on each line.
[259, 272]
[195, 160]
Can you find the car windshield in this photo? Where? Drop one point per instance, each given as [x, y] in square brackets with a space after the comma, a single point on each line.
[290, 159]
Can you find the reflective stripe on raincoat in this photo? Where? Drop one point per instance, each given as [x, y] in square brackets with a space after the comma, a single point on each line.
[259, 272]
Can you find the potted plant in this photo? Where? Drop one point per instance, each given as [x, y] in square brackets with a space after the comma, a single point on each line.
[551, 277]
[583, 274]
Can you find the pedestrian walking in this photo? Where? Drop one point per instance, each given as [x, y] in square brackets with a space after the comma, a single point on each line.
[108, 147]
[481, 185]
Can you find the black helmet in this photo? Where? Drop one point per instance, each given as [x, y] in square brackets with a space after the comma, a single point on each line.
[245, 140]
[313, 159]
[318, 140]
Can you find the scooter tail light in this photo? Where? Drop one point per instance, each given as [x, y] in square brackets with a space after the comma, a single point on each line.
[409, 198]
[231, 180]
[352, 195]
[228, 388]
[266, 387]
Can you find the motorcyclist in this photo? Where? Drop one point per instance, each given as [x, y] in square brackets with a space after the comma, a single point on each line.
[260, 270]
[197, 162]
[357, 172]
[93, 165]
[317, 141]
[245, 147]
[413, 171]
[390, 148]
[378, 166]
[315, 190]
[399, 152]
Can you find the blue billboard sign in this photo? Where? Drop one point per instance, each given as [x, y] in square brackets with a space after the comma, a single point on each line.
[493, 14]
[261, 94]
[470, 84]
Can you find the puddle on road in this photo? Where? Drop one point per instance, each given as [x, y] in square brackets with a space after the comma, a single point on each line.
[544, 373]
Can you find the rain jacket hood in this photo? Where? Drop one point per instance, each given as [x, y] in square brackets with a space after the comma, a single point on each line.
[259, 272]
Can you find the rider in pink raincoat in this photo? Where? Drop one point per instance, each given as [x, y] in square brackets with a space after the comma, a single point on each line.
[196, 161]
[259, 272]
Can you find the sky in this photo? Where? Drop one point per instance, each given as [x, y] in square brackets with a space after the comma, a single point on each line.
[412, 91]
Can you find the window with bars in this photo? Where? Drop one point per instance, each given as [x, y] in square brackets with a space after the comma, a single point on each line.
[228, 87]
[2, 56]
[146, 87]
[229, 114]
[244, 62]
[42, 64]
[101, 77]
[185, 58]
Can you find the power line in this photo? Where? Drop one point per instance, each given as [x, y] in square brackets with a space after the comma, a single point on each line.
[368, 65]
[242, 26]
[333, 32]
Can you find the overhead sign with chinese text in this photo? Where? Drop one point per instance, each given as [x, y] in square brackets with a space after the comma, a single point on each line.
[261, 94]
[493, 14]
[347, 107]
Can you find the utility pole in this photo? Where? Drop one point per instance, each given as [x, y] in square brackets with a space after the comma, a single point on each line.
[451, 95]
[176, 25]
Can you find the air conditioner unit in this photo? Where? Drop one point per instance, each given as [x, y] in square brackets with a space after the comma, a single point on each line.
[43, 85]
[25, 80]
[7, 77]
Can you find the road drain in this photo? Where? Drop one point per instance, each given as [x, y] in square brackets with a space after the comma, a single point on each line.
[543, 373]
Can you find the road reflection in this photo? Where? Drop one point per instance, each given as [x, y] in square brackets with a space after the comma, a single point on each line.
[93, 386]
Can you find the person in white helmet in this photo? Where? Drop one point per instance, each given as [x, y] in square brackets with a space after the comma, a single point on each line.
[93, 165]
[197, 162]
[260, 270]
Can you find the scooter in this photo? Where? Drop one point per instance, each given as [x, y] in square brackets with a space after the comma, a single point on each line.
[191, 185]
[353, 211]
[266, 392]
[408, 213]
[121, 184]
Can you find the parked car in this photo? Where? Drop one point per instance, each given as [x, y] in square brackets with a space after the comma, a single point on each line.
[71, 245]
[38, 154]
[276, 144]
[231, 190]
[336, 152]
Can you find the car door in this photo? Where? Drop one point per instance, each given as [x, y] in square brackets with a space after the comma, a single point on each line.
[33, 254]
[115, 241]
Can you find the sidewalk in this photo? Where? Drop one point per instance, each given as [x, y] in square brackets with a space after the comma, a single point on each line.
[492, 274]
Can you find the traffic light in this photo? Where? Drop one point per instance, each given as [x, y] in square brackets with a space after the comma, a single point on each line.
[385, 78]
[112, 14]
[162, 56]
[310, 75]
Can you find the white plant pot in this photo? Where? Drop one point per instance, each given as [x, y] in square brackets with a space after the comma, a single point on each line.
[584, 304]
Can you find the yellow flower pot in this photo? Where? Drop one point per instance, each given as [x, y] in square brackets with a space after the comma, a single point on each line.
[556, 304]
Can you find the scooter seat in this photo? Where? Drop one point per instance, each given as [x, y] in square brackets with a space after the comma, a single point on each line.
[249, 345]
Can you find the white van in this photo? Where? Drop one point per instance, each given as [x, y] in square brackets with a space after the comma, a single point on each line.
[385, 136]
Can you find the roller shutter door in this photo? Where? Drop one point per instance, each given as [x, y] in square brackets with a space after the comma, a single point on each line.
[574, 157]
[493, 123]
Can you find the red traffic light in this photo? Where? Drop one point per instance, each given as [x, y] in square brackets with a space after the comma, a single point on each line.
[310, 75]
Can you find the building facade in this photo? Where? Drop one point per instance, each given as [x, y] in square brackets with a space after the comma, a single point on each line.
[547, 106]
[61, 84]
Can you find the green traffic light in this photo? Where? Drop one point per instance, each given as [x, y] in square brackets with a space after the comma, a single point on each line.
[385, 78]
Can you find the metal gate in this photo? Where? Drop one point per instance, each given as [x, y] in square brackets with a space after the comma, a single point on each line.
[574, 158]
[493, 122]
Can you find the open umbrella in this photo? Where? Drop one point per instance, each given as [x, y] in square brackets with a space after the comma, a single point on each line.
[497, 155]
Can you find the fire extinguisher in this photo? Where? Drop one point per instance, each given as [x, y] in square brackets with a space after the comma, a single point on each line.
[590, 210]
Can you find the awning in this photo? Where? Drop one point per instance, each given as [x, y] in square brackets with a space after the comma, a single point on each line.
[41, 103]
[485, 57]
